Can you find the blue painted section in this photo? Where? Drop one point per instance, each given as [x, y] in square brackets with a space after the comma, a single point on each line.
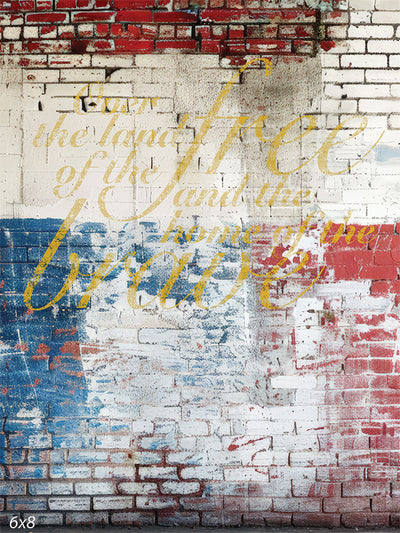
[43, 391]
[386, 153]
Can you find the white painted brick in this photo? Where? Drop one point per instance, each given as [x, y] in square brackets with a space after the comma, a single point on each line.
[394, 61]
[175, 487]
[202, 473]
[12, 32]
[113, 441]
[374, 31]
[329, 61]
[383, 47]
[338, 106]
[382, 76]
[194, 427]
[104, 472]
[368, 5]
[366, 91]
[148, 411]
[394, 121]
[356, 46]
[297, 505]
[138, 488]
[112, 502]
[82, 75]
[6, 20]
[155, 502]
[379, 106]
[248, 474]
[94, 488]
[68, 61]
[389, 5]
[385, 17]
[363, 61]
[69, 504]
[41, 76]
[113, 61]
[360, 17]
[149, 472]
[345, 76]
[295, 382]
[31, 32]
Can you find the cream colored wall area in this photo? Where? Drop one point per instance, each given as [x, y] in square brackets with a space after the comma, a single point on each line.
[170, 90]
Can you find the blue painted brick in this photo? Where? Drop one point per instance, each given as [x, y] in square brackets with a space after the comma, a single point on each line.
[54, 487]
[88, 227]
[42, 224]
[13, 255]
[26, 472]
[74, 472]
[26, 504]
[57, 456]
[24, 426]
[19, 441]
[22, 238]
[65, 426]
[82, 441]
[12, 457]
[8, 488]
[87, 457]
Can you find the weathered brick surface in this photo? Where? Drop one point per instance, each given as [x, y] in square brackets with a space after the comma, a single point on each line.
[224, 417]
[225, 27]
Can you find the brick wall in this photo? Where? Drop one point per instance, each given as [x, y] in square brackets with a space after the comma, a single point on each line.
[239, 415]
[230, 29]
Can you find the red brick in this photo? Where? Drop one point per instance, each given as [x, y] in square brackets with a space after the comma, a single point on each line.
[102, 45]
[384, 258]
[93, 16]
[129, 4]
[373, 335]
[354, 520]
[393, 382]
[381, 473]
[134, 15]
[171, 17]
[345, 505]
[102, 30]
[209, 46]
[365, 488]
[356, 366]
[391, 412]
[128, 45]
[386, 397]
[316, 520]
[254, 46]
[385, 442]
[65, 34]
[278, 519]
[20, 5]
[46, 18]
[181, 45]
[381, 366]
[387, 243]
[265, 16]
[236, 32]
[66, 4]
[296, 31]
[382, 288]
[44, 5]
[55, 46]
[381, 351]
